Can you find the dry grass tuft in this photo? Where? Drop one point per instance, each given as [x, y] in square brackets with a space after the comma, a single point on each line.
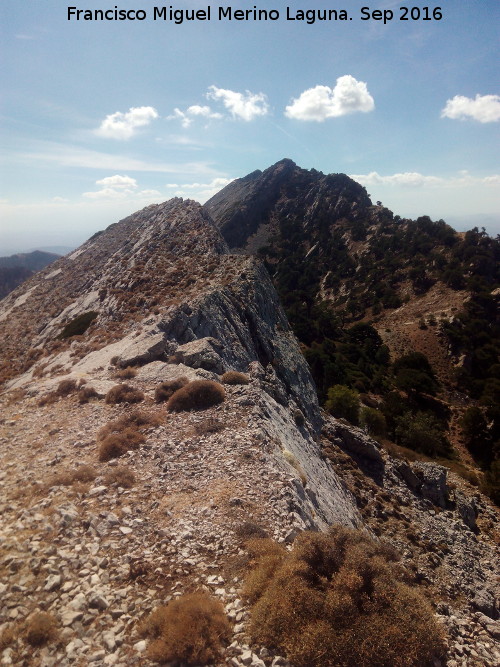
[339, 600]
[210, 425]
[136, 419]
[121, 476]
[87, 393]
[48, 399]
[125, 433]
[196, 395]
[189, 629]
[250, 529]
[124, 393]
[126, 373]
[7, 637]
[66, 387]
[165, 390]
[40, 629]
[234, 377]
[117, 444]
[84, 473]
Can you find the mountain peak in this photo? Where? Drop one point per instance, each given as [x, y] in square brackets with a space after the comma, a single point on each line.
[244, 209]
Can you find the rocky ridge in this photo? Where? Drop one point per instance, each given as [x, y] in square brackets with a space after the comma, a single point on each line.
[172, 301]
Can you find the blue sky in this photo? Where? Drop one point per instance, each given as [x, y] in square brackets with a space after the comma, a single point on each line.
[99, 119]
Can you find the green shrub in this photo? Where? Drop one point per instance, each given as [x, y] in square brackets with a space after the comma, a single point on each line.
[422, 432]
[189, 629]
[234, 377]
[299, 418]
[415, 374]
[196, 395]
[124, 393]
[373, 420]
[339, 600]
[78, 325]
[165, 390]
[343, 403]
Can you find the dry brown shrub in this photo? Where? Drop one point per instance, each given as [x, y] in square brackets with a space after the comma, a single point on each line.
[124, 393]
[121, 476]
[339, 600]
[268, 555]
[126, 373]
[190, 629]
[86, 393]
[48, 399]
[7, 637]
[210, 425]
[250, 529]
[165, 390]
[117, 444]
[136, 420]
[66, 387]
[234, 377]
[84, 473]
[196, 395]
[40, 629]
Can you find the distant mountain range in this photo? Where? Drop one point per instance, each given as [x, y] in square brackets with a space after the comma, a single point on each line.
[19, 267]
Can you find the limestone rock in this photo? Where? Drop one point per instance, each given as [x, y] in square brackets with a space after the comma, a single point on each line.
[433, 482]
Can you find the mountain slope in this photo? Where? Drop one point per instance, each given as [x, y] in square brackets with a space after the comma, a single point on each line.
[113, 507]
[363, 288]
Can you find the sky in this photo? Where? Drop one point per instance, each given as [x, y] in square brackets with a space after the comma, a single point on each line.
[100, 118]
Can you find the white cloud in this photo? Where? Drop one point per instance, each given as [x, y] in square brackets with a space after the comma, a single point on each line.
[108, 193]
[186, 117]
[483, 108]
[415, 180]
[408, 179]
[67, 155]
[322, 102]
[118, 182]
[245, 106]
[120, 187]
[59, 200]
[124, 125]
[199, 191]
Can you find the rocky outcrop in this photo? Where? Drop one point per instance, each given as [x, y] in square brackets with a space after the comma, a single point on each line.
[248, 210]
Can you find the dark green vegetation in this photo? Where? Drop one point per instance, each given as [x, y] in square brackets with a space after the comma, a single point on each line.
[78, 325]
[340, 265]
[339, 600]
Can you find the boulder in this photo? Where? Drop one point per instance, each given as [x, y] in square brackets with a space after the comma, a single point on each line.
[433, 482]
[201, 353]
[467, 508]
